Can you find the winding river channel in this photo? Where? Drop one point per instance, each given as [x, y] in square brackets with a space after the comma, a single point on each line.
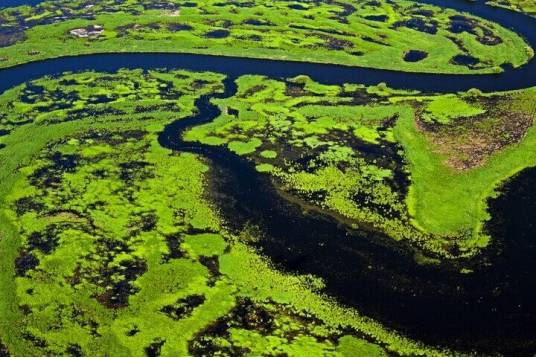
[490, 311]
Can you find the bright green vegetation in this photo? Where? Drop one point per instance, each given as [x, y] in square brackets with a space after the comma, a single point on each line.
[111, 246]
[371, 34]
[526, 6]
[444, 109]
[380, 159]
[467, 160]
[339, 155]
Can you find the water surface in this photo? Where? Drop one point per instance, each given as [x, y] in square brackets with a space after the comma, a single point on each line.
[11, 3]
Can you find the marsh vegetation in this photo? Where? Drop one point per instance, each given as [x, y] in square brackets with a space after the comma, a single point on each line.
[370, 155]
[369, 34]
[127, 233]
[112, 243]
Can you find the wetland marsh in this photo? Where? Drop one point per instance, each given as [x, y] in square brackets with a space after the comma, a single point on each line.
[327, 32]
[161, 204]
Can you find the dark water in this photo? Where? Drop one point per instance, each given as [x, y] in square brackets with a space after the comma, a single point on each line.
[379, 18]
[415, 56]
[465, 60]
[493, 310]
[11, 3]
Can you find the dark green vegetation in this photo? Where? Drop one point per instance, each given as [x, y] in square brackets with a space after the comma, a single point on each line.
[372, 156]
[377, 34]
[110, 244]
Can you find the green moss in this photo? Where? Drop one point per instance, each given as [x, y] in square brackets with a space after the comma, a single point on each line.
[206, 244]
[265, 168]
[269, 154]
[243, 148]
[351, 346]
[370, 135]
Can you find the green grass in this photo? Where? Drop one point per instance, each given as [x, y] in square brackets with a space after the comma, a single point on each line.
[449, 202]
[325, 32]
[445, 108]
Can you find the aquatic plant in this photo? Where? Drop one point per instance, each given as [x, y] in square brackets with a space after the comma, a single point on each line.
[371, 156]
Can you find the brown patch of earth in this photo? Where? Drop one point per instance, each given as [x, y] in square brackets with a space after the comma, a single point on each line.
[469, 142]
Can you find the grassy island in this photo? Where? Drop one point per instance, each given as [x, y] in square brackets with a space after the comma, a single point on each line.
[525, 6]
[401, 35]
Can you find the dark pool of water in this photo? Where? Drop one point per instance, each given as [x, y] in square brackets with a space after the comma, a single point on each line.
[465, 60]
[418, 24]
[379, 18]
[218, 34]
[11, 3]
[297, 7]
[459, 24]
[415, 56]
